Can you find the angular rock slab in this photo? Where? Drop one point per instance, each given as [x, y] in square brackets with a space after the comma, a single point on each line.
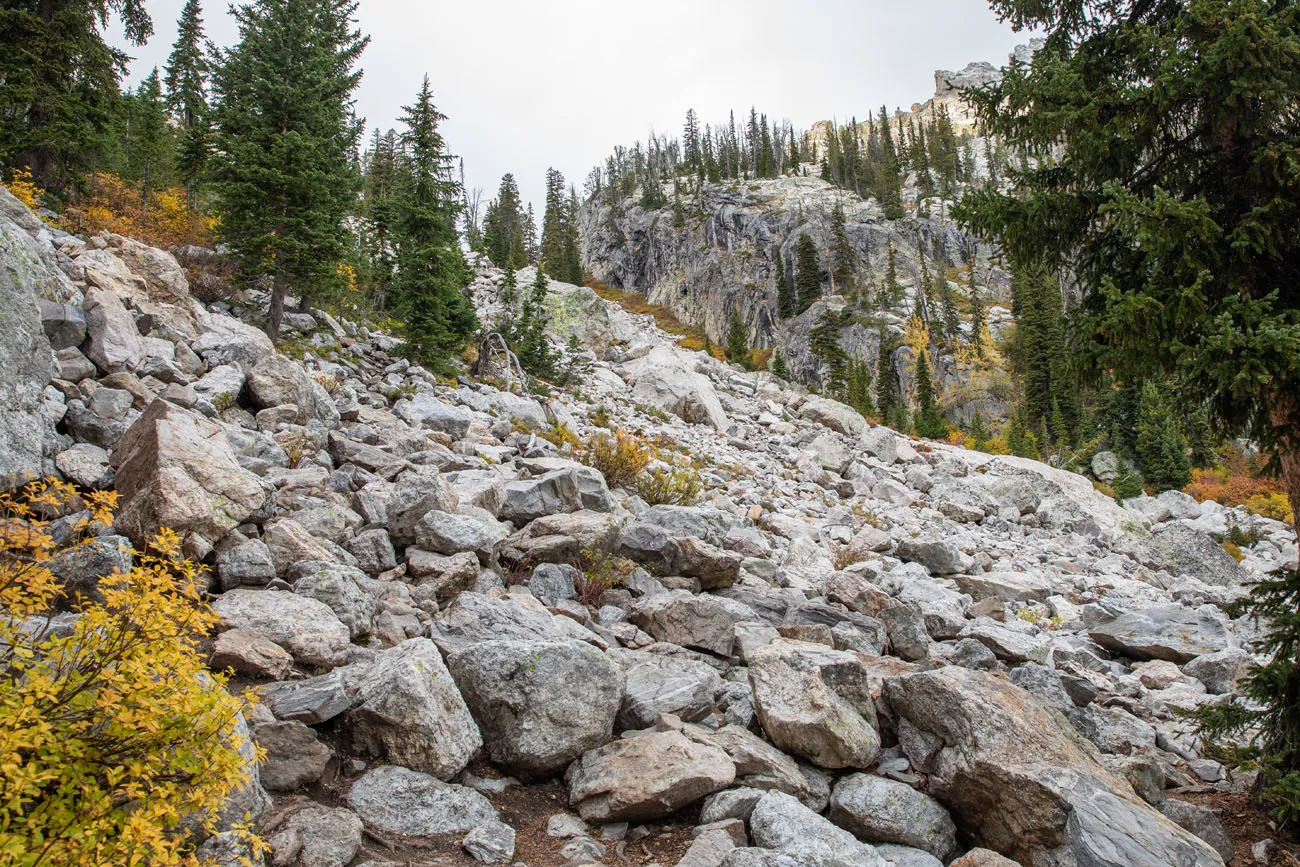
[401, 801]
[409, 711]
[780, 823]
[881, 810]
[539, 704]
[306, 628]
[26, 361]
[815, 702]
[1018, 782]
[646, 776]
[1170, 632]
[175, 469]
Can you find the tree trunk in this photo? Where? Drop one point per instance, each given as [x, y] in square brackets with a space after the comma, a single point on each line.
[1285, 414]
[275, 315]
[304, 303]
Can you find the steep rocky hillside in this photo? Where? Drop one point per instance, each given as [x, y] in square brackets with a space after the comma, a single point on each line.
[727, 254]
[838, 646]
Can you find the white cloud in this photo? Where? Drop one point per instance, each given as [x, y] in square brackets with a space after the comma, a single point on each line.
[527, 84]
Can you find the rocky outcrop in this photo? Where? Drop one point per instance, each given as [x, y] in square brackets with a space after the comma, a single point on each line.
[26, 362]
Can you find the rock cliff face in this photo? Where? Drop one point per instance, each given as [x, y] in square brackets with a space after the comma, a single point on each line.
[737, 238]
[851, 648]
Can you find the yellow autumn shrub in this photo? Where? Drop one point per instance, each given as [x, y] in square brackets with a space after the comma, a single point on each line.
[24, 188]
[114, 738]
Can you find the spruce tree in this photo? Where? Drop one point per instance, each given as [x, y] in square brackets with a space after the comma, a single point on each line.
[187, 97]
[151, 144]
[929, 423]
[977, 322]
[890, 188]
[1181, 237]
[553, 252]
[283, 169]
[787, 295]
[572, 249]
[979, 433]
[1161, 446]
[888, 399]
[532, 347]
[844, 258]
[893, 290]
[59, 84]
[779, 367]
[503, 227]
[431, 272]
[808, 273]
[737, 340]
[824, 344]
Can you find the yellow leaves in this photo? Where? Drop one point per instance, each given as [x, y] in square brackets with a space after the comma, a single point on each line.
[916, 335]
[24, 188]
[116, 205]
[112, 733]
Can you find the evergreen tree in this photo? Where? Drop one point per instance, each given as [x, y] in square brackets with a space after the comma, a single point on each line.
[808, 273]
[779, 367]
[187, 68]
[187, 97]
[503, 227]
[1181, 237]
[691, 140]
[893, 290]
[286, 134]
[553, 257]
[890, 188]
[979, 433]
[532, 250]
[151, 145]
[888, 399]
[737, 340]
[431, 272]
[377, 211]
[532, 347]
[929, 423]
[1018, 440]
[858, 387]
[977, 321]
[787, 296]
[948, 305]
[1161, 446]
[824, 344]
[59, 84]
[1060, 431]
[844, 258]
[572, 249]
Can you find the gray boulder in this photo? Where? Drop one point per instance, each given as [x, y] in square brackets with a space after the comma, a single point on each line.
[646, 777]
[539, 704]
[307, 629]
[425, 410]
[880, 810]
[1182, 551]
[706, 622]
[409, 711]
[401, 801]
[815, 702]
[26, 361]
[782, 824]
[1170, 632]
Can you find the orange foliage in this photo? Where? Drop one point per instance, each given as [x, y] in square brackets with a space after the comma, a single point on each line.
[115, 205]
[689, 337]
[1236, 483]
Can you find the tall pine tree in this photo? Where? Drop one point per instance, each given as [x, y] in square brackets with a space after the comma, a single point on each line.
[808, 273]
[283, 170]
[431, 272]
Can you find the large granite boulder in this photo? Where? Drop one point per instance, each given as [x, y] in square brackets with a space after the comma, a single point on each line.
[539, 704]
[662, 381]
[175, 469]
[304, 627]
[409, 711]
[1016, 780]
[1170, 632]
[781, 824]
[1184, 551]
[646, 777]
[26, 362]
[815, 702]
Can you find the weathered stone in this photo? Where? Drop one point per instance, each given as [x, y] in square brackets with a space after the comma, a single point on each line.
[306, 628]
[1219, 671]
[26, 362]
[226, 340]
[1017, 781]
[406, 802]
[316, 836]
[664, 683]
[1201, 821]
[248, 563]
[539, 704]
[113, 342]
[472, 618]
[341, 589]
[295, 757]
[279, 381]
[409, 711]
[878, 810]
[245, 651]
[815, 702]
[311, 701]
[834, 415]
[491, 843]
[1170, 632]
[706, 622]
[425, 410]
[779, 822]
[175, 469]
[646, 776]
[714, 567]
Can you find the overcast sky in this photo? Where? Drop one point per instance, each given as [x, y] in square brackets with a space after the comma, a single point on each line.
[528, 84]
